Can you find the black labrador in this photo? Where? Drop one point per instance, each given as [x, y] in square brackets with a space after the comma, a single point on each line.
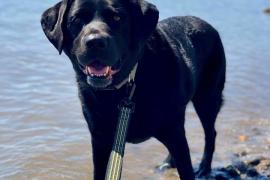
[179, 59]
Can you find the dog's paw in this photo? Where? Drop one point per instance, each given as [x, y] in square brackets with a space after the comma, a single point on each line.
[202, 172]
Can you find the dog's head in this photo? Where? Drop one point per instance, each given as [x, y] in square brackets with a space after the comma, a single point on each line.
[103, 38]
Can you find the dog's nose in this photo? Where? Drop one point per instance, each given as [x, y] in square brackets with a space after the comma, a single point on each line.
[96, 42]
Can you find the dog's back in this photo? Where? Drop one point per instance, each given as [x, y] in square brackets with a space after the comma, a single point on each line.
[195, 42]
[194, 60]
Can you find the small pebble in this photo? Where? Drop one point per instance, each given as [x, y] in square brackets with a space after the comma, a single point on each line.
[242, 138]
[243, 153]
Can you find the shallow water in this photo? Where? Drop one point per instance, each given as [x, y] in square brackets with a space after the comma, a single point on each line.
[43, 134]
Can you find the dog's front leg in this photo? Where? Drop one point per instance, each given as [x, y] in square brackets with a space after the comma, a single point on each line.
[101, 152]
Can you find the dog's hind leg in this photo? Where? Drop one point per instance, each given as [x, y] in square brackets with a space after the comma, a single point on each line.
[207, 102]
[207, 111]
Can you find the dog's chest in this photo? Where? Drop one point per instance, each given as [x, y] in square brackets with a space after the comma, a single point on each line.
[146, 121]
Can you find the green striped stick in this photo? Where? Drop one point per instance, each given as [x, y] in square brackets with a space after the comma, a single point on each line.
[114, 168]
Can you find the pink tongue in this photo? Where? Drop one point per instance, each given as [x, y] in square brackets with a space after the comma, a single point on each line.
[98, 70]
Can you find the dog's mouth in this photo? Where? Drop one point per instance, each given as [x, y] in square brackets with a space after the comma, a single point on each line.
[98, 74]
[99, 70]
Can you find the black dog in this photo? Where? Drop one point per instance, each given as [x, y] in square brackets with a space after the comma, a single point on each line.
[180, 59]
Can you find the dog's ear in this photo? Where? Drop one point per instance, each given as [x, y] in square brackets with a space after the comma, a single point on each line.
[144, 18]
[52, 22]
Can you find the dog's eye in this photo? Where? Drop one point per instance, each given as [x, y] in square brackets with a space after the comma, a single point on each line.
[75, 20]
[113, 17]
[74, 25]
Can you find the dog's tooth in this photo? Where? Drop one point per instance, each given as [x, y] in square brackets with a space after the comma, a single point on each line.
[107, 70]
[89, 70]
[91, 74]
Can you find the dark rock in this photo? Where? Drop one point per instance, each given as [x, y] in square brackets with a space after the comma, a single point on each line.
[252, 172]
[254, 162]
[240, 166]
[232, 171]
[241, 169]
[221, 176]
